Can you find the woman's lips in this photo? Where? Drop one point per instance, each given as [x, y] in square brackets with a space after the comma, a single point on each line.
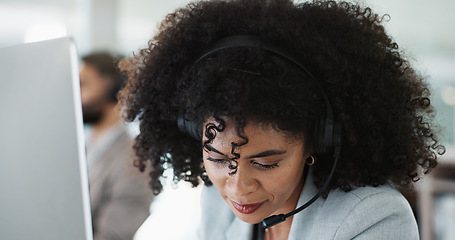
[246, 208]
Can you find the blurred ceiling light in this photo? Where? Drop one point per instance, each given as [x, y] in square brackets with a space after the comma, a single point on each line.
[45, 31]
[448, 96]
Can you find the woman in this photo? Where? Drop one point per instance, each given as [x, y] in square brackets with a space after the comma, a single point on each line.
[270, 97]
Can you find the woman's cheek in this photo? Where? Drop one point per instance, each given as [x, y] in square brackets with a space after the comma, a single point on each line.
[214, 172]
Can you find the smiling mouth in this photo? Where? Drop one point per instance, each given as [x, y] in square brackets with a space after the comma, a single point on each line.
[246, 208]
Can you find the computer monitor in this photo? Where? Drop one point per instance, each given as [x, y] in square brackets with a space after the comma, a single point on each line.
[43, 174]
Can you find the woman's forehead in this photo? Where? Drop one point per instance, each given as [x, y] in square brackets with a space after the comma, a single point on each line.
[254, 134]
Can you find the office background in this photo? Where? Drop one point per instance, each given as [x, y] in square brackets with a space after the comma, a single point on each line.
[424, 29]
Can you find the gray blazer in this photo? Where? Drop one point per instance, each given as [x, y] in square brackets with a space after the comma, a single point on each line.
[119, 197]
[363, 213]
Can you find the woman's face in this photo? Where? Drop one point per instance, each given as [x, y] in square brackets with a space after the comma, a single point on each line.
[269, 174]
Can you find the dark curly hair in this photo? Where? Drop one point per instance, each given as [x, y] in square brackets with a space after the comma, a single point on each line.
[381, 102]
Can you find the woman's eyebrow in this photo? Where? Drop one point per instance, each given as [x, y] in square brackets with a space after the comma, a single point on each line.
[267, 153]
[212, 149]
[259, 155]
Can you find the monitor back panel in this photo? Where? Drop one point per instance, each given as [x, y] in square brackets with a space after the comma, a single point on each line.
[43, 174]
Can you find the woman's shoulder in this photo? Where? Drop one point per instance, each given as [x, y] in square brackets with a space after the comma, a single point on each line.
[369, 194]
[363, 213]
[371, 213]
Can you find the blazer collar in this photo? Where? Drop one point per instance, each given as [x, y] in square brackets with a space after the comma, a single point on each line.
[301, 222]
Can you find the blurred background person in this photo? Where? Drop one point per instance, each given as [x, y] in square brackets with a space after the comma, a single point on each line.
[119, 199]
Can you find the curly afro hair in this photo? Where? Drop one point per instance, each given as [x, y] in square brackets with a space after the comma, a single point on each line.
[381, 102]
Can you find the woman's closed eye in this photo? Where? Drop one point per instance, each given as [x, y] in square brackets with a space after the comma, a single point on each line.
[264, 166]
[218, 160]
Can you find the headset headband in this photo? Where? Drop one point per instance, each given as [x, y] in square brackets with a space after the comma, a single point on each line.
[327, 131]
[256, 42]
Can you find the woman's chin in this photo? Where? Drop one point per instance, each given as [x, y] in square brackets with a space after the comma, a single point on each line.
[249, 219]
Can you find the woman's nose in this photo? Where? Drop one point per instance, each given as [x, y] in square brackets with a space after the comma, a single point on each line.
[242, 182]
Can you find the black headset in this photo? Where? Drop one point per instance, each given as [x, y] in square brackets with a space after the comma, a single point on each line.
[327, 134]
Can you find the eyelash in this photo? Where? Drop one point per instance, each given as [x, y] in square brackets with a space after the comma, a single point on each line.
[266, 167]
[263, 166]
[216, 160]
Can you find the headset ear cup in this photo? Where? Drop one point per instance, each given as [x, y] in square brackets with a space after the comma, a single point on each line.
[327, 135]
[188, 127]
